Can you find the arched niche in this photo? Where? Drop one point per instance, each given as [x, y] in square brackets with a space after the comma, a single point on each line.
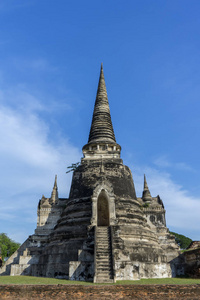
[104, 190]
[103, 218]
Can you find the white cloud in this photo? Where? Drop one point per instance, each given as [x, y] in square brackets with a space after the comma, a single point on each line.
[30, 158]
[182, 209]
[164, 162]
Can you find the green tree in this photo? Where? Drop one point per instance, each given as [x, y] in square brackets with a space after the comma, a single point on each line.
[7, 246]
[181, 240]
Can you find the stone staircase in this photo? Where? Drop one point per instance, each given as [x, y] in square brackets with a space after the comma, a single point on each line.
[104, 265]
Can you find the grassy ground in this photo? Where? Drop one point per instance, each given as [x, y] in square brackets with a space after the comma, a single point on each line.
[42, 280]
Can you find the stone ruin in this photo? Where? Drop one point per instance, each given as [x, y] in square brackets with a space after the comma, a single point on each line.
[192, 260]
[103, 232]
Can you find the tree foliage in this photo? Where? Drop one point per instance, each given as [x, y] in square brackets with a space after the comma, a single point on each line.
[7, 246]
[181, 240]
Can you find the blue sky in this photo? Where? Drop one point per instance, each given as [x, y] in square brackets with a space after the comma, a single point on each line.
[50, 56]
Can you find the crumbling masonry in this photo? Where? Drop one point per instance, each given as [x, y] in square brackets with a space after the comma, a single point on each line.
[102, 232]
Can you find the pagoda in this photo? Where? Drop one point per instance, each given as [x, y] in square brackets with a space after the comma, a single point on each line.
[102, 232]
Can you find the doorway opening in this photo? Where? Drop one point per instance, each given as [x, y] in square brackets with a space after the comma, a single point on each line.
[102, 210]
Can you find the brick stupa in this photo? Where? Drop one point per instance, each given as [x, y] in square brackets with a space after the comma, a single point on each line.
[102, 232]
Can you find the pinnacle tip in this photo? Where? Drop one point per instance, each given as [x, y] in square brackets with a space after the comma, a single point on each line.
[55, 182]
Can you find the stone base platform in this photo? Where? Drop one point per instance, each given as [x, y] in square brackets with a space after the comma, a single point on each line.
[97, 292]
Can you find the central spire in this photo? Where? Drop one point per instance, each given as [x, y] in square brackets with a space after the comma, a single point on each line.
[101, 128]
[101, 143]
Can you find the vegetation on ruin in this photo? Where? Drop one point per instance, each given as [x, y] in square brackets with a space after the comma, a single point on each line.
[46, 281]
[145, 205]
[7, 246]
[73, 167]
[182, 240]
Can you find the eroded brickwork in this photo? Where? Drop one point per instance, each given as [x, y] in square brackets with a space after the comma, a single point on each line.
[69, 242]
[59, 292]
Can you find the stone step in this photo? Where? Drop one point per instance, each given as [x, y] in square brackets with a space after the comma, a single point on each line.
[103, 234]
[103, 273]
[102, 251]
[103, 242]
[102, 280]
[107, 263]
[102, 255]
[104, 277]
[103, 260]
[103, 270]
[103, 264]
[102, 248]
[102, 228]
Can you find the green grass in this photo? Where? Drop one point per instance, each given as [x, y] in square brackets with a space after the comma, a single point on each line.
[36, 280]
[42, 280]
[183, 281]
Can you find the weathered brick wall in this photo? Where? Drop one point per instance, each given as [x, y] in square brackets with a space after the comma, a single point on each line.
[144, 292]
[192, 260]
